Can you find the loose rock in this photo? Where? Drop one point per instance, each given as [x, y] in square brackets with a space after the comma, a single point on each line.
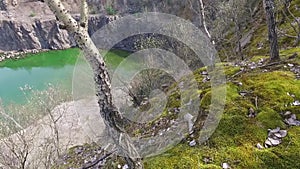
[243, 93]
[225, 166]
[291, 120]
[125, 166]
[259, 146]
[251, 113]
[192, 143]
[296, 103]
[275, 137]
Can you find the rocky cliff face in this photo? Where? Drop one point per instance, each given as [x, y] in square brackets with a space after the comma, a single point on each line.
[38, 35]
[29, 25]
[46, 34]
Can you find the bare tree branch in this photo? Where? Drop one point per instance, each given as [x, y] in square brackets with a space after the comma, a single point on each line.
[84, 10]
[204, 21]
[10, 118]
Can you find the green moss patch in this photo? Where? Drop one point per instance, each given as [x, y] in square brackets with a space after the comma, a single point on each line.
[236, 135]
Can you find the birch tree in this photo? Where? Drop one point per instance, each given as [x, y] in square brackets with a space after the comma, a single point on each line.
[108, 110]
[202, 17]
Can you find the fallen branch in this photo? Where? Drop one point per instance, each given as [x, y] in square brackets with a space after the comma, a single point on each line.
[99, 160]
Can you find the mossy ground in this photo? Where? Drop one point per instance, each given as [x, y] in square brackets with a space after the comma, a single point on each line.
[236, 136]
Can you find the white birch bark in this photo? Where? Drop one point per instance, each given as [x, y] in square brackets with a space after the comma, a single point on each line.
[108, 111]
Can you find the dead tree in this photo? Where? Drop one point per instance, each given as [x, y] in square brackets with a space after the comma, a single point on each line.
[29, 137]
[272, 34]
[108, 110]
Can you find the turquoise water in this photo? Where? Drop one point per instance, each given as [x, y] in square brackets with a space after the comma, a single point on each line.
[38, 70]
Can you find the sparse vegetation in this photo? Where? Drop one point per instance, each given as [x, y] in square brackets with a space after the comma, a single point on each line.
[110, 10]
[22, 140]
[32, 14]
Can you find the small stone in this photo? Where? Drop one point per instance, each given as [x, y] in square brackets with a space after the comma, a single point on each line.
[259, 146]
[225, 166]
[275, 137]
[288, 113]
[251, 113]
[274, 142]
[119, 166]
[243, 93]
[125, 166]
[204, 73]
[274, 130]
[292, 95]
[296, 103]
[283, 133]
[290, 65]
[268, 144]
[192, 143]
[292, 121]
[78, 150]
[293, 116]
[206, 160]
[206, 79]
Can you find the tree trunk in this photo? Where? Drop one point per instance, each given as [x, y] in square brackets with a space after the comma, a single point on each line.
[269, 8]
[203, 19]
[297, 40]
[202, 14]
[238, 33]
[108, 110]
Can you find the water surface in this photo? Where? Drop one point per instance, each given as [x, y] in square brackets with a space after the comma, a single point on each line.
[38, 70]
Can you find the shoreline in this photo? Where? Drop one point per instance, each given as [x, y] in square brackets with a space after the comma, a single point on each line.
[15, 55]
